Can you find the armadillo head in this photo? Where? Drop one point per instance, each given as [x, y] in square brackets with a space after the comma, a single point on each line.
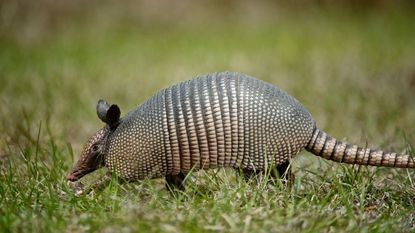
[93, 154]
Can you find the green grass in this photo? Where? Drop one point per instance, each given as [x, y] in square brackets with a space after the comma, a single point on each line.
[355, 72]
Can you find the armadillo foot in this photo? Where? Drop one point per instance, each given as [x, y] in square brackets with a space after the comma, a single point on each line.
[285, 174]
[101, 183]
[248, 174]
[281, 172]
[77, 187]
[284, 170]
[175, 182]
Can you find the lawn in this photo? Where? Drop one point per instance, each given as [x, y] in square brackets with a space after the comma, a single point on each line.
[352, 68]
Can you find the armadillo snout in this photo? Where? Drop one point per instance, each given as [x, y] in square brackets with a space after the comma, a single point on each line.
[71, 177]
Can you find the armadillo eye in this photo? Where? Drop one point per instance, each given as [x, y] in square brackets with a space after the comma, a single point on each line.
[95, 148]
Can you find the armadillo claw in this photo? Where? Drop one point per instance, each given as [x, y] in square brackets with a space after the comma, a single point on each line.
[77, 187]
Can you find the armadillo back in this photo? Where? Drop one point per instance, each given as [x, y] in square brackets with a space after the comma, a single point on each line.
[217, 120]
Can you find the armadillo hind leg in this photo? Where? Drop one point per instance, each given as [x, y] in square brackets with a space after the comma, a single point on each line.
[175, 182]
[282, 171]
[285, 174]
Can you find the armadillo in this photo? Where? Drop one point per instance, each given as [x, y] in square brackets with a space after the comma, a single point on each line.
[224, 119]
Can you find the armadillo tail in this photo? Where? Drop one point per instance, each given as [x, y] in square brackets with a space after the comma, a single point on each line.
[323, 145]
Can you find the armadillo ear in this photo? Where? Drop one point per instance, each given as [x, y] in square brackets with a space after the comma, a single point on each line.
[113, 115]
[102, 109]
[108, 114]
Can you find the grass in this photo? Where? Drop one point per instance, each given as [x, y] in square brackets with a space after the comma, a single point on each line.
[354, 71]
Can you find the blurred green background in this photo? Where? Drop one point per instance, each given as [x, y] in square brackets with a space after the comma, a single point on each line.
[351, 63]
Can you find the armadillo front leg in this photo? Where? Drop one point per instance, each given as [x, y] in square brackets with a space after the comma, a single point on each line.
[101, 183]
[248, 174]
[98, 185]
